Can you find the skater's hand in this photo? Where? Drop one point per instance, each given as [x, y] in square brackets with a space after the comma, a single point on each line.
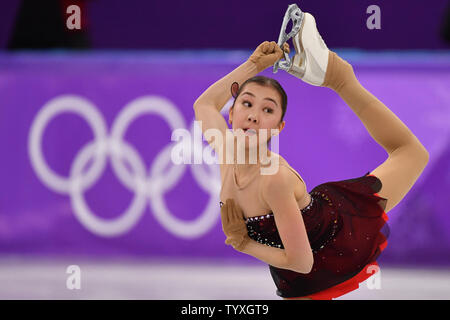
[267, 53]
[233, 225]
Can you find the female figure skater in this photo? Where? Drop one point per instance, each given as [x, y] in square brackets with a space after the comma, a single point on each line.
[319, 244]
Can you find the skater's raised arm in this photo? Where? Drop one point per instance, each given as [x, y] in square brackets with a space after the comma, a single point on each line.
[207, 107]
[217, 95]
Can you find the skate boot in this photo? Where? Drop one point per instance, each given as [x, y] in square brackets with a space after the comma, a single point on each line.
[310, 60]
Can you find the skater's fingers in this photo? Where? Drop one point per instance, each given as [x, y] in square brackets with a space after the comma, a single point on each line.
[237, 212]
[286, 47]
[265, 47]
[276, 54]
[233, 210]
[261, 46]
[278, 49]
[266, 54]
[224, 213]
[230, 210]
[272, 46]
[223, 216]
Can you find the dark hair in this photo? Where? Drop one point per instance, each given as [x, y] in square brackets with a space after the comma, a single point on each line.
[264, 81]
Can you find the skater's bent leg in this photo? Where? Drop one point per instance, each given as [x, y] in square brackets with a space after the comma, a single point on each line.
[381, 123]
[407, 156]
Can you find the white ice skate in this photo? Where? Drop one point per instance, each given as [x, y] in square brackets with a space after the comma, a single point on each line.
[310, 60]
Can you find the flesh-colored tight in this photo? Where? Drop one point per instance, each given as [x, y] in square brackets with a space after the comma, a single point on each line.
[382, 124]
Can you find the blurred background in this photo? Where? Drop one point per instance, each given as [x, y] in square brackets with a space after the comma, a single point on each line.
[91, 91]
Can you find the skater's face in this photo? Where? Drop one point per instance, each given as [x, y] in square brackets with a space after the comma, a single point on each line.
[257, 107]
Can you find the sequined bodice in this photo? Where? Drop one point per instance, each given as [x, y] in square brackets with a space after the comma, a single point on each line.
[321, 225]
[320, 228]
[346, 227]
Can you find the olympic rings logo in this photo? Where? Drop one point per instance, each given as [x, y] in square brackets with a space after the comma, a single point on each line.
[151, 185]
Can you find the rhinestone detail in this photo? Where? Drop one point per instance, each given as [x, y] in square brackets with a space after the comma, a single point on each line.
[334, 219]
[266, 216]
[257, 236]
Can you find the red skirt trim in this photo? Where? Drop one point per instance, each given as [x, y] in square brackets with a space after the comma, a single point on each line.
[352, 283]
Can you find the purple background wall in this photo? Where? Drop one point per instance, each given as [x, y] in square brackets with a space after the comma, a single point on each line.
[179, 24]
[37, 219]
[244, 24]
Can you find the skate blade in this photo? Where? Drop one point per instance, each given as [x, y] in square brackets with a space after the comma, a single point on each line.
[293, 13]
